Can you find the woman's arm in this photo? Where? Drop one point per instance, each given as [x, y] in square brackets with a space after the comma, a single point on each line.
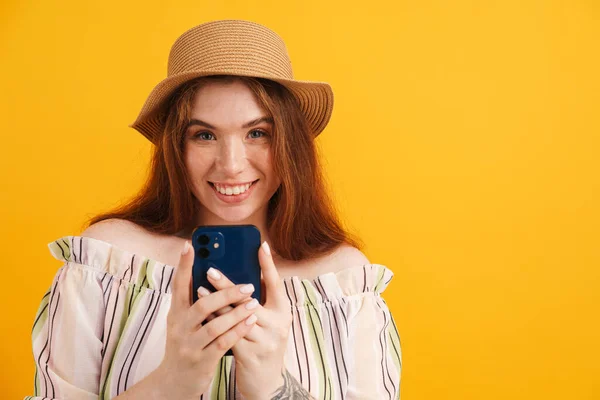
[291, 389]
[67, 336]
[374, 347]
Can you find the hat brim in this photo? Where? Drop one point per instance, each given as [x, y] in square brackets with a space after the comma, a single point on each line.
[315, 100]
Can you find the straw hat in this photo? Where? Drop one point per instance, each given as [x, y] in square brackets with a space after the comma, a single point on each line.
[233, 47]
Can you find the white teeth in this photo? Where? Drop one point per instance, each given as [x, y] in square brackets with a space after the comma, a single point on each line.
[232, 190]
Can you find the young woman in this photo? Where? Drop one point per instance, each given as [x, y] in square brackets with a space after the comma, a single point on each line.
[234, 144]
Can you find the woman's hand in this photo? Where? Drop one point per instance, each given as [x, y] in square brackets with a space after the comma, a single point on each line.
[192, 349]
[259, 356]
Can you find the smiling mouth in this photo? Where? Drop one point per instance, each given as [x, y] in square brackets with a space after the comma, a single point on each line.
[230, 190]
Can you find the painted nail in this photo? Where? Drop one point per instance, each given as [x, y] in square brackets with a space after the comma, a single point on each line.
[213, 273]
[252, 304]
[249, 288]
[202, 291]
[186, 248]
[251, 319]
[266, 248]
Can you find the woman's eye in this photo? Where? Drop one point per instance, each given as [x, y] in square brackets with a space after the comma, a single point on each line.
[204, 135]
[255, 134]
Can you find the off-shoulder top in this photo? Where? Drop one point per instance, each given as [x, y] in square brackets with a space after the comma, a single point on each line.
[101, 327]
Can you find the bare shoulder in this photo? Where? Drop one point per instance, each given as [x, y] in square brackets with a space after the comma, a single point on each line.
[112, 229]
[133, 238]
[346, 256]
[343, 257]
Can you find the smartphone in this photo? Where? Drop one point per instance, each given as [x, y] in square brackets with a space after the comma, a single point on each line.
[231, 249]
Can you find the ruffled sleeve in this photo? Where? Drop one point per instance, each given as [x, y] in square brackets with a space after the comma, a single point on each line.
[67, 332]
[79, 319]
[344, 342]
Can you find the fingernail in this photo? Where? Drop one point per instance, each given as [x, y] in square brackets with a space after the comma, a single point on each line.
[186, 248]
[251, 319]
[266, 248]
[249, 288]
[252, 304]
[213, 273]
[202, 291]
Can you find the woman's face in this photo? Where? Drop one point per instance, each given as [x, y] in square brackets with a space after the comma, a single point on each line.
[227, 154]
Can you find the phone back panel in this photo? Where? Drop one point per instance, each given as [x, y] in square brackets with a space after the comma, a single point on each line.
[231, 249]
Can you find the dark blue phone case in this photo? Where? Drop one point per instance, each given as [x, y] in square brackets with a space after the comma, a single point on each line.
[235, 255]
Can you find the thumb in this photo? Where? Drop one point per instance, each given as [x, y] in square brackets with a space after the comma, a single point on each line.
[270, 275]
[182, 279]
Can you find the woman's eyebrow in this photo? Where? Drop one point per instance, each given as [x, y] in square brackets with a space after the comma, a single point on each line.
[246, 125]
[258, 121]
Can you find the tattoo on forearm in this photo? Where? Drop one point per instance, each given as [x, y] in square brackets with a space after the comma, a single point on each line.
[291, 389]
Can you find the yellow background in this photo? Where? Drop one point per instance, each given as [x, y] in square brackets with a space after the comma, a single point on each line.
[463, 148]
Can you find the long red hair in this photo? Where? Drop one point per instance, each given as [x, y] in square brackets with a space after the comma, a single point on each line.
[301, 219]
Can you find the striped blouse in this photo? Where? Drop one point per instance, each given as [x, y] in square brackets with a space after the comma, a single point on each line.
[101, 327]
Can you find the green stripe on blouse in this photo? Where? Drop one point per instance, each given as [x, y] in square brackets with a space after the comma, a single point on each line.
[142, 274]
[221, 379]
[395, 351]
[315, 329]
[118, 332]
[379, 280]
[62, 247]
[41, 315]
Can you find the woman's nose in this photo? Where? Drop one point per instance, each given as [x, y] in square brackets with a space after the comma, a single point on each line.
[232, 156]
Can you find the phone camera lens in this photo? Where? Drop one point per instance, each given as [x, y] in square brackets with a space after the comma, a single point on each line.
[204, 253]
[203, 240]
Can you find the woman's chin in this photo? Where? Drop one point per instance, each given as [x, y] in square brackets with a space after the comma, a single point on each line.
[230, 214]
[234, 216]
